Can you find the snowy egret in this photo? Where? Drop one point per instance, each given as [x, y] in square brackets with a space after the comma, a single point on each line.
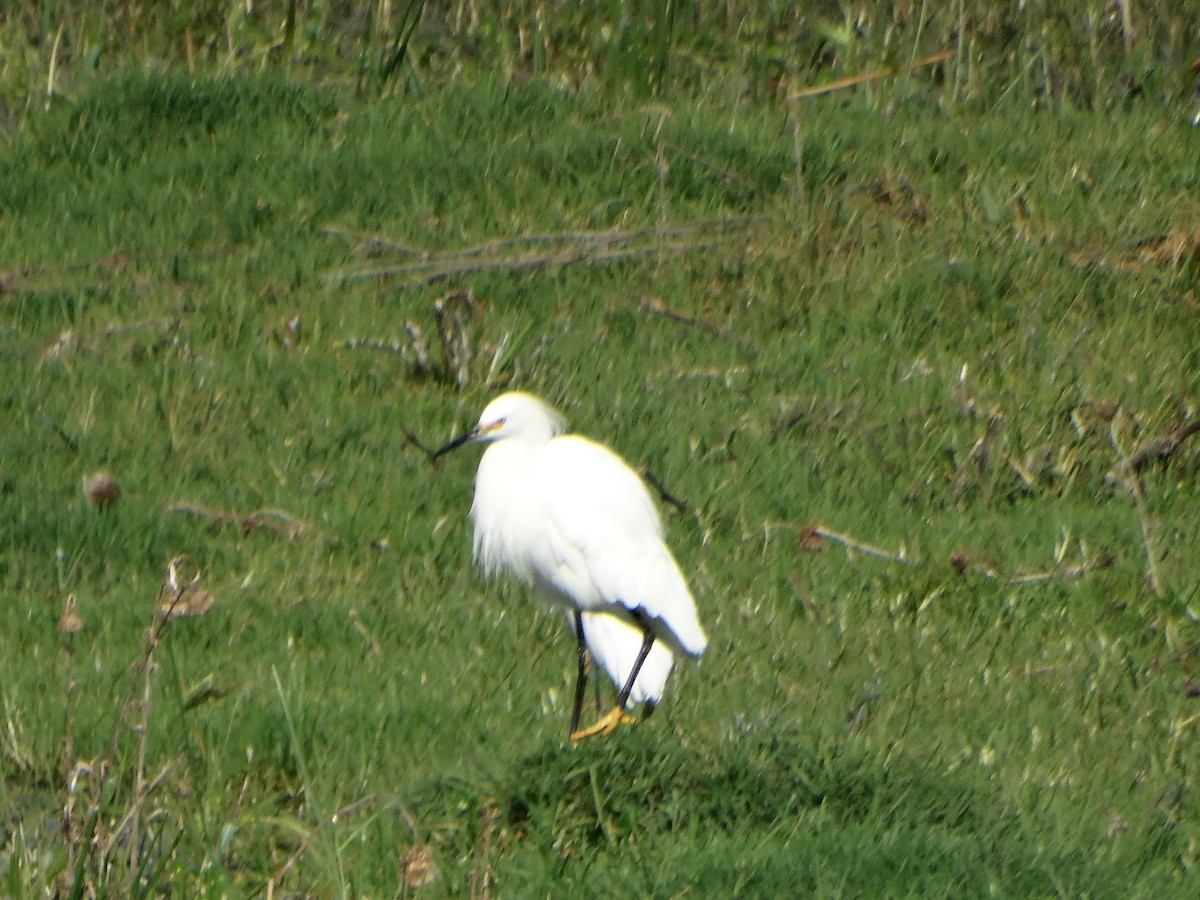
[571, 518]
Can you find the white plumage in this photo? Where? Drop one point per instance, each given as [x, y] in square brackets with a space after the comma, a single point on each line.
[569, 517]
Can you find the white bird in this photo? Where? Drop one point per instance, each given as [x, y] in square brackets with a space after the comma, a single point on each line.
[571, 518]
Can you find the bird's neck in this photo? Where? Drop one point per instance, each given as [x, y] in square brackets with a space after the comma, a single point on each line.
[502, 505]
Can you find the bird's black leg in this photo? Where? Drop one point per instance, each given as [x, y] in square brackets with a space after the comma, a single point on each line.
[647, 643]
[581, 680]
[596, 686]
[617, 714]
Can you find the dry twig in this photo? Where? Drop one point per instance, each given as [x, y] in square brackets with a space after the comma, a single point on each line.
[811, 538]
[853, 80]
[1154, 450]
[439, 269]
[275, 520]
[658, 307]
[375, 240]
[565, 248]
[34, 280]
[666, 496]
[411, 440]
[853, 544]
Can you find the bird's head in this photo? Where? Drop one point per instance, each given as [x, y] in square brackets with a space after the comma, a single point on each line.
[515, 415]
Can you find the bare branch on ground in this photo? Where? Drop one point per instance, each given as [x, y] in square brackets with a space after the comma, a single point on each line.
[811, 538]
[658, 307]
[1154, 450]
[514, 254]
[667, 496]
[853, 80]
[274, 520]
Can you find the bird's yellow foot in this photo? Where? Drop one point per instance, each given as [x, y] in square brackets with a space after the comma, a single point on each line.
[607, 725]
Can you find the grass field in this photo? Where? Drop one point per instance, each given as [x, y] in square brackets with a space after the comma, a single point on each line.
[922, 369]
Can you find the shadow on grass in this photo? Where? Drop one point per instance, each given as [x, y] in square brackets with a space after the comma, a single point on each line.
[766, 812]
[603, 791]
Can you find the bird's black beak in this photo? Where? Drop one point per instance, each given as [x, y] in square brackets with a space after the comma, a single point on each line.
[455, 444]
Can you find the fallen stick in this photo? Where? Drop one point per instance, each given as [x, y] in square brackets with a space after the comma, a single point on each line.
[1067, 572]
[411, 440]
[861, 547]
[575, 246]
[276, 520]
[667, 496]
[1154, 450]
[377, 239]
[656, 306]
[853, 80]
[438, 269]
[606, 237]
[959, 559]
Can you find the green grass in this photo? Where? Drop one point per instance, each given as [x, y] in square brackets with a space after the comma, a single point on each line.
[859, 727]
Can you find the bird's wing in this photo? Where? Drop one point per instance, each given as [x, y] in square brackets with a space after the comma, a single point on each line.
[604, 543]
